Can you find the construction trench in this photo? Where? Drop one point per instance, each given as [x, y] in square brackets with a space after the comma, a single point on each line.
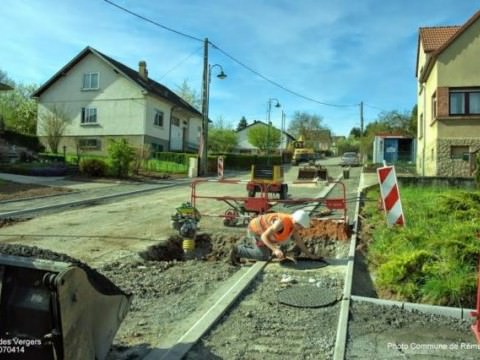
[287, 311]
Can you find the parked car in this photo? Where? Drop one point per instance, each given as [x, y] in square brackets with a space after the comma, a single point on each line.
[350, 159]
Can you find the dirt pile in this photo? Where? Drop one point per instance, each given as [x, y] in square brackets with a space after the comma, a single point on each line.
[98, 281]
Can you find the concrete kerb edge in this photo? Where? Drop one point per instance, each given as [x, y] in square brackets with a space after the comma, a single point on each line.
[84, 201]
[39, 197]
[453, 312]
[342, 328]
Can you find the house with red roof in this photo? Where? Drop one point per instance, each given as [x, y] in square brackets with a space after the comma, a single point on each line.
[448, 98]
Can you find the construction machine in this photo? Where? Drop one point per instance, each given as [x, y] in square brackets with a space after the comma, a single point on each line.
[52, 310]
[301, 153]
[268, 179]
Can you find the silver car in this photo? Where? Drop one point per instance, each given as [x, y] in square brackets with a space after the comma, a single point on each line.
[350, 159]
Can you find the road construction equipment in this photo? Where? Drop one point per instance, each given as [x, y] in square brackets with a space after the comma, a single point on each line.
[301, 153]
[185, 221]
[310, 172]
[268, 178]
[57, 310]
[243, 209]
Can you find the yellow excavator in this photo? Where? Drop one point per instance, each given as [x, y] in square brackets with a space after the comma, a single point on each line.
[301, 153]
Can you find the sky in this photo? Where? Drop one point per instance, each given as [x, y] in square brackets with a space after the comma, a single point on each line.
[335, 52]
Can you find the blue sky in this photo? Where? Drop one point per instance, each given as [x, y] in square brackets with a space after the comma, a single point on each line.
[339, 52]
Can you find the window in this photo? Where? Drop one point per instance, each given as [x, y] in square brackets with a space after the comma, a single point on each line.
[90, 81]
[158, 120]
[89, 144]
[89, 116]
[464, 101]
[175, 121]
[459, 152]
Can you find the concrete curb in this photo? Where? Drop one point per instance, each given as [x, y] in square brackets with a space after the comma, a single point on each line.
[342, 328]
[39, 197]
[200, 322]
[454, 312]
[84, 201]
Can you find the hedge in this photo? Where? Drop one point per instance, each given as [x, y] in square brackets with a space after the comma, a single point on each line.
[29, 141]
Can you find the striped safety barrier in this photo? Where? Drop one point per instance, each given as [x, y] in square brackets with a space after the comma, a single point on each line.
[390, 195]
[220, 167]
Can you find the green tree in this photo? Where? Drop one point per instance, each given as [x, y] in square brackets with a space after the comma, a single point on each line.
[392, 122]
[242, 124]
[189, 94]
[412, 128]
[221, 137]
[18, 109]
[53, 122]
[265, 138]
[121, 155]
[355, 132]
[307, 125]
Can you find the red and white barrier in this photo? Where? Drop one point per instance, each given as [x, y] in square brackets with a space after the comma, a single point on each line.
[390, 195]
[220, 167]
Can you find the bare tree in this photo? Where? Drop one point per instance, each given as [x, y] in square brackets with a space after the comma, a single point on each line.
[54, 121]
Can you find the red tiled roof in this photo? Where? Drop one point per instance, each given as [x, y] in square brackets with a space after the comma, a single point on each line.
[434, 37]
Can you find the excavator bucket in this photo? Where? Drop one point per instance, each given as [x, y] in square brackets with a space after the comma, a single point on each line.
[57, 310]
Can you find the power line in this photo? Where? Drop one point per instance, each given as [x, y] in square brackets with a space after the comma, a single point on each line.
[276, 83]
[374, 107]
[153, 22]
[232, 58]
[180, 63]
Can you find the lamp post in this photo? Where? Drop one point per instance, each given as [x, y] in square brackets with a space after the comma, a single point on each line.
[277, 105]
[205, 107]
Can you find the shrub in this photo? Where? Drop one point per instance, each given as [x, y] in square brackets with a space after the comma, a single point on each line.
[121, 155]
[93, 167]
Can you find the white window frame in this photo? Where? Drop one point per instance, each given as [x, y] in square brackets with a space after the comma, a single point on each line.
[89, 116]
[87, 80]
[96, 146]
[159, 118]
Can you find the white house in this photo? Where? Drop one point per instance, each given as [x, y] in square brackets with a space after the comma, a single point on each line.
[244, 146]
[103, 99]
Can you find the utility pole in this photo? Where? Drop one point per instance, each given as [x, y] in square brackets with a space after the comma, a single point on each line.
[361, 118]
[361, 131]
[282, 142]
[203, 151]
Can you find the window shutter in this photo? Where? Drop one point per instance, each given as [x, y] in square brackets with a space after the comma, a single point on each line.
[442, 102]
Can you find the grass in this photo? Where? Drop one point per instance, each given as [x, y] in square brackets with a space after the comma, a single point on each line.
[434, 258]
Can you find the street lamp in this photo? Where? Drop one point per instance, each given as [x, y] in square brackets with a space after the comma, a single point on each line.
[204, 140]
[277, 105]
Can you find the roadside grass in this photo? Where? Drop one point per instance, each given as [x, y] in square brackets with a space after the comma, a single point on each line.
[434, 258]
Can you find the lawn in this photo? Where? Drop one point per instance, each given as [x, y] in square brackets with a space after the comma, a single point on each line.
[434, 258]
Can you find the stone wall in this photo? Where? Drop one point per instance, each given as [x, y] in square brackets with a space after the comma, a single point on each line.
[439, 181]
[446, 166]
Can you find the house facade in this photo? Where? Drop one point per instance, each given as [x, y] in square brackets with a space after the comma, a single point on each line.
[244, 146]
[448, 98]
[100, 99]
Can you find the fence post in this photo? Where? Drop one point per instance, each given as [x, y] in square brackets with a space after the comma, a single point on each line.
[220, 167]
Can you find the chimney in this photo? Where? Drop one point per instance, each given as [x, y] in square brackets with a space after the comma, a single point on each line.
[142, 69]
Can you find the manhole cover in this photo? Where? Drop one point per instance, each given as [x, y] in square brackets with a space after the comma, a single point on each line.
[304, 264]
[307, 296]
